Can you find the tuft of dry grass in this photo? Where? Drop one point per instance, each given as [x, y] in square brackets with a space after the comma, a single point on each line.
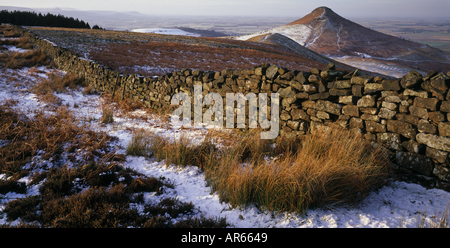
[107, 116]
[434, 221]
[329, 166]
[49, 134]
[138, 145]
[9, 32]
[18, 60]
[22, 42]
[57, 83]
[88, 90]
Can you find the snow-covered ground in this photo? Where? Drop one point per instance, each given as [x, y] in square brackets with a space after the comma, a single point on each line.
[299, 33]
[375, 65]
[167, 31]
[397, 204]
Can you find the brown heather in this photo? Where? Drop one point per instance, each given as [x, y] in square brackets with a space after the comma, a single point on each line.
[163, 57]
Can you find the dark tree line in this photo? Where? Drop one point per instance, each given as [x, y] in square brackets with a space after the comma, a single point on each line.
[26, 18]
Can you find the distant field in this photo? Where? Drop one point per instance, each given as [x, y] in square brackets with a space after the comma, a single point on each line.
[435, 33]
[156, 54]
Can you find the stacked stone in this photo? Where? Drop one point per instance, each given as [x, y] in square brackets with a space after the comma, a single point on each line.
[409, 116]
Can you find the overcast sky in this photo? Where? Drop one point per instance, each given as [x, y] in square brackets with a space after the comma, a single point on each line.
[295, 8]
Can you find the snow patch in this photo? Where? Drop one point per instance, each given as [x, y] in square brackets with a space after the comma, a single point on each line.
[167, 31]
[298, 33]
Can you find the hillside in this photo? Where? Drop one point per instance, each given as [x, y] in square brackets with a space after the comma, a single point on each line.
[329, 34]
[70, 157]
[156, 54]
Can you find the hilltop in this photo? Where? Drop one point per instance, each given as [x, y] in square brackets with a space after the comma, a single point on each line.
[331, 35]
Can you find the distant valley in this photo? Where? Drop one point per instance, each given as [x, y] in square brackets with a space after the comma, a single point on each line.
[321, 36]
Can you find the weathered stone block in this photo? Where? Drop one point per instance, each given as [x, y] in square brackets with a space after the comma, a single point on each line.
[372, 88]
[309, 104]
[411, 79]
[315, 78]
[286, 102]
[260, 71]
[319, 96]
[366, 102]
[390, 140]
[407, 118]
[445, 106]
[361, 80]
[356, 123]
[285, 116]
[343, 84]
[386, 93]
[393, 85]
[428, 103]
[440, 82]
[340, 92]
[389, 105]
[300, 78]
[286, 75]
[412, 146]
[311, 112]
[296, 85]
[348, 100]
[421, 94]
[293, 124]
[444, 129]
[368, 117]
[370, 111]
[272, 72]
[350, 110]
[329, 107]
[434, 141]
[402, 128]
[287, 92]
[343, 120]
[298, 114]
[386, 113]
[418, 112]
[302, 95]
[303, 126]
[442, 172]
[392, 99]
[357, 90]
[374, 127]
[309, 88]
[323, 115]
[436, 155]
[415, 162]
[436, 116]
[425, 127]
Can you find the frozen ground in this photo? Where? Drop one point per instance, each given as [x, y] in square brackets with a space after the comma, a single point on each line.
[168, 31]
[383, 67]
[398, 204]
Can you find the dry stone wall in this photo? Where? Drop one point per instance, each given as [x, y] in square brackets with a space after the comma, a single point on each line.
[409, 116]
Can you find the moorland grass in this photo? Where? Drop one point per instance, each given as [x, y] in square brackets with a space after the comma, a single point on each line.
[288, 174]
[87, 193]
[58, 84]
